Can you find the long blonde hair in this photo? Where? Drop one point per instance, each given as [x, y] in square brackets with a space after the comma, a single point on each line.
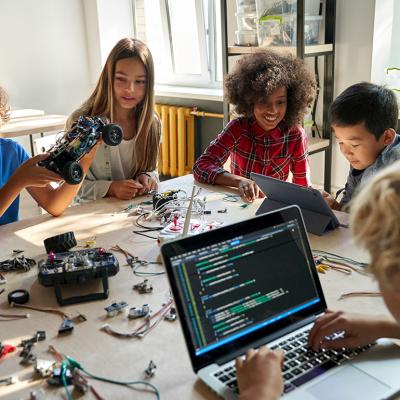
[101, 103]
[375, 222]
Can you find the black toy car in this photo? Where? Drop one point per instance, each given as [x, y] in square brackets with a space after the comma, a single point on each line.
[68, 150]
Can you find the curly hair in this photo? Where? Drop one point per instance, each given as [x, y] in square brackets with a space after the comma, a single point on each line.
[258, 74]
[4, 107]
[375, 222]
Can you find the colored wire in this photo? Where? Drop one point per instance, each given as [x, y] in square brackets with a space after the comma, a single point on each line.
[45, 310]
[148, 273]
[72, 364]
[360, 294]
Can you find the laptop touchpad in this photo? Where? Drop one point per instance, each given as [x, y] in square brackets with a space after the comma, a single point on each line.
[346, 385]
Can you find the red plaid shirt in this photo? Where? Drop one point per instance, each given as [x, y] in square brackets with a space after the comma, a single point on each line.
[252, 150]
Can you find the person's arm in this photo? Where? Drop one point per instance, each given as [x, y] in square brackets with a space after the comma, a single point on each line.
[27, 175]
[210, 164]
[55, 201]
[358, 330]
[259, 374]
[299, 160]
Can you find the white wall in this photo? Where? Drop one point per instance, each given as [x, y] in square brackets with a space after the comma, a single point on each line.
[44, 61]
[353, 60]
[43, 53]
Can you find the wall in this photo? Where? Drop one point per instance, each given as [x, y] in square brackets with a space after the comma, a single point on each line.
[353, 59]
[44, 63]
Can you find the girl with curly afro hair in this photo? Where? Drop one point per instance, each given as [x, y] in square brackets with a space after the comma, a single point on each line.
[271, 93]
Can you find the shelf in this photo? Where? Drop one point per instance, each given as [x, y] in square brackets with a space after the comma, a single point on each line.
[316, 145]
[310, 51]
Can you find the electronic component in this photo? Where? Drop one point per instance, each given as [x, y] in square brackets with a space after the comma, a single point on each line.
[78, 267]
[135, 312]
[115, 308]
[28, 356]
[150, 370]
[174, 229]
[143, 287]
[55, 378]
[171, 315]
[39, 336]
[44, 367]
[5, 349]
[7, 381]
[19, 296]
[17, 264]
[66, 327]
[159, 199]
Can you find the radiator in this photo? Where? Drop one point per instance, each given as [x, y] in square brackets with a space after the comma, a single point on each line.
[177, 148]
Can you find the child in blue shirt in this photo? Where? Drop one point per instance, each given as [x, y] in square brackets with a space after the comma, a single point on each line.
[364, 119]
[18, 172]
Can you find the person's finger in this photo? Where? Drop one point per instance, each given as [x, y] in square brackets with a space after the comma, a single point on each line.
[250, 353]
[348, 342]
[34, 160]
[135, 184]
[336, 325]
[239, 363]
[320, 321]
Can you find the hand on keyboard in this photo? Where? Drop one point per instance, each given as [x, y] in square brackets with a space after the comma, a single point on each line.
[355, 330]
[259, 374]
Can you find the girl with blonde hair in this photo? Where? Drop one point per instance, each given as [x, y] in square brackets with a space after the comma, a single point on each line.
[375, 222]
[124, 94]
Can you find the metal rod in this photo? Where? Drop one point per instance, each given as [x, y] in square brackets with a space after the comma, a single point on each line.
[206, 114]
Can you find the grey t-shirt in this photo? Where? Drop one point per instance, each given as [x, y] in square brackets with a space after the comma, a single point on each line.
[357, 178]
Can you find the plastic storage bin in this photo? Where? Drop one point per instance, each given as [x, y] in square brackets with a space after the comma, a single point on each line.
[246, 21]
[276, 22]
[246, 38]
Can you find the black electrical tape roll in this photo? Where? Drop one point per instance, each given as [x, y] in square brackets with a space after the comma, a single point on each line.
[20, 296]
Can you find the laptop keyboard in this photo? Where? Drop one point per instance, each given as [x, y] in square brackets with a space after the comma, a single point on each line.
[301, 364]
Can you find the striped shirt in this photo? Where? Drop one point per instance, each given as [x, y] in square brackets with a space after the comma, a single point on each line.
[251, 149]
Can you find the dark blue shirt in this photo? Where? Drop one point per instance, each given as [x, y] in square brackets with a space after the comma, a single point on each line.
[12, 155]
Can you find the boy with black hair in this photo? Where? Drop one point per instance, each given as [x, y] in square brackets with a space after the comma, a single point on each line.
[364, 119]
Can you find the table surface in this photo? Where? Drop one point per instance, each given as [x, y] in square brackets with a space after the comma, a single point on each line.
[32, 124]
[126, 359]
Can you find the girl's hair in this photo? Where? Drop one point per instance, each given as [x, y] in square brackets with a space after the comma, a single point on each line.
[101, 103]
[375, 221]
[4, 107]
[257, 75]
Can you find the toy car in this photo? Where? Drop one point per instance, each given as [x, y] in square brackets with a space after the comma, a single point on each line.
[68, 150]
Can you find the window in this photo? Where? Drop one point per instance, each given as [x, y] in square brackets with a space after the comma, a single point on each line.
[184, 37]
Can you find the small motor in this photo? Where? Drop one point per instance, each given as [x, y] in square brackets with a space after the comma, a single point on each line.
[160, 199]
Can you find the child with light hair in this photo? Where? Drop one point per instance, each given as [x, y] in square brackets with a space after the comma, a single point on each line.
[375, 222]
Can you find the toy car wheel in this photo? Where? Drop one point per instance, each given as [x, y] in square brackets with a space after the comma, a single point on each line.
[60, 243]
[112, 134]
[72, 172]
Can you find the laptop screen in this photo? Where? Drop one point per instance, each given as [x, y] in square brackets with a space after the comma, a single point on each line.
[235, 287]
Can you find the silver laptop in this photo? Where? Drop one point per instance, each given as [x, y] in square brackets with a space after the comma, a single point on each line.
[254, 283]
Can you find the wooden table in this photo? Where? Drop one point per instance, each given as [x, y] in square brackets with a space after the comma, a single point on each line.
[31, 125]
[126, 359]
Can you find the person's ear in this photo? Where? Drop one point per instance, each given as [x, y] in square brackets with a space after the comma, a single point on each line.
[389, 135]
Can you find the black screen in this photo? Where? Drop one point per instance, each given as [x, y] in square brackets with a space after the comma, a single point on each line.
[233, 288]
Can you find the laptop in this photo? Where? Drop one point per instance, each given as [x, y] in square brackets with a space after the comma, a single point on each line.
[318, 216]
[254, 283]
